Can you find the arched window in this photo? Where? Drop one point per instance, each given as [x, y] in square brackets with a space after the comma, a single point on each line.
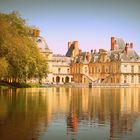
[67, 79]
[57, 79]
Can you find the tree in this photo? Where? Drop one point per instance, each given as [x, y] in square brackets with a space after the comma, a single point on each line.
[19, 49]
[3, 68]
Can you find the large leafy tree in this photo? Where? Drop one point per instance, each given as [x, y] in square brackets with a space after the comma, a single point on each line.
[3, 68]
[19, 50]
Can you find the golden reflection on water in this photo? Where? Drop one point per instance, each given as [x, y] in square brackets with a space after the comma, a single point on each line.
[31, 111]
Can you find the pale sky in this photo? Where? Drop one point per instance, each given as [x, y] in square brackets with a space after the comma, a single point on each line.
[91, 22]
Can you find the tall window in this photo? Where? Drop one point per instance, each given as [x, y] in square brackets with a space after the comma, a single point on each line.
[132, 69]
[139, 69]
[95, 69]
[125, 78]
[68, 70]
[92, 70]
[125, 68]
[110, 69]
[103, 68]
[59, 70]
[132, 79]
[85, 69]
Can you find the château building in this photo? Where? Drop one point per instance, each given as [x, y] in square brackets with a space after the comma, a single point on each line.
[119, 65]
[58, 65]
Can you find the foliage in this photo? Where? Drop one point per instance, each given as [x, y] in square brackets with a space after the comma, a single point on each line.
[3, 68]
[19, 54]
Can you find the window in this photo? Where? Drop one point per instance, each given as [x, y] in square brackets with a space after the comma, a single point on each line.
[59, 70]
[132, 69]
[72, 79]
[125, 68]
[110, 69]
[139, 79]
[103, 69]
[39, 40]
[139, 69]
[84, 80]
[132, 79]
[93, 70]
[68, 70]
[85, 69]
[125, 78]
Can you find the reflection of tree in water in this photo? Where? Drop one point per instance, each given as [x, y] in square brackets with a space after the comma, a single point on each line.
[75, 110]
[29, 112]
[25, 116]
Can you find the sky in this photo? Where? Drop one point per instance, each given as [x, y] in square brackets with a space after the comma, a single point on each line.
[90, 22]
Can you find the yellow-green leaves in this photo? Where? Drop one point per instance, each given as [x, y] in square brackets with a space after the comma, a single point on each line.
[18, 51]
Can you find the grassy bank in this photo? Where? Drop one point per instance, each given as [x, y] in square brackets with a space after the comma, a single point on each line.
[4, 85]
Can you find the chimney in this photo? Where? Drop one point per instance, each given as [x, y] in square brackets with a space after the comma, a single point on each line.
[75, 48]
[88, 56]
[101, 50]
[69, 45]
[131, 45]
[75, 44]
[113, 43]
[91, 51]
[94, 51]
[80, 51]
[37, 33]
[126, 48]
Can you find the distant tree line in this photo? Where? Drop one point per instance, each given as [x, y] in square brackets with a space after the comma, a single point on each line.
[20, 58]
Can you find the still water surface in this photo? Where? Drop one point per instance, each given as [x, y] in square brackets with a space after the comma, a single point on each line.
[70, 114]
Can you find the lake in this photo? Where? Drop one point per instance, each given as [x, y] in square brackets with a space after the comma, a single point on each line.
[70, 114]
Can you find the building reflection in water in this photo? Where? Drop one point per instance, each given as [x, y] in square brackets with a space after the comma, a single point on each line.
[31, 111]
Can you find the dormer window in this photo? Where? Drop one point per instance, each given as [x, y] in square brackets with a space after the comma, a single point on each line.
[39, 40]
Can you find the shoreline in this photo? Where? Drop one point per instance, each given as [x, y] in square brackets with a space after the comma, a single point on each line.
[4, 85]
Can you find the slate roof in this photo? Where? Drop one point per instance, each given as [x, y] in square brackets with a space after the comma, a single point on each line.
[113, 55]
[120, 43]
[69, 52]
[131, 56]
[42, 44]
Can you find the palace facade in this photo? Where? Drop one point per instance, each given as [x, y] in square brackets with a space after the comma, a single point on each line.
[119, 65]
[58, 65]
